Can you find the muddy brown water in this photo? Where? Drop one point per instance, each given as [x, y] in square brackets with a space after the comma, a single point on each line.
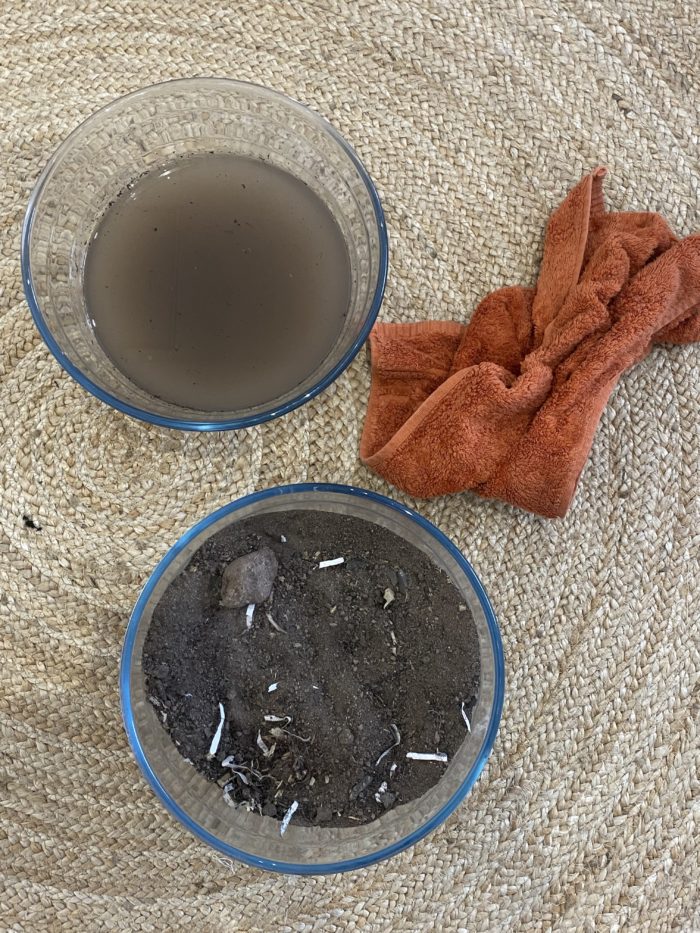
[217, 282]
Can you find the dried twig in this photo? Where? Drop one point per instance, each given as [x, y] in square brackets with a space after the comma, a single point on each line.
[277, 732]
[286, 819]
[276, 626]
[466, 719]
[267, 750]
[427, 756]
[397, 740]
[232, 765]
[217, 735]
[331, 563]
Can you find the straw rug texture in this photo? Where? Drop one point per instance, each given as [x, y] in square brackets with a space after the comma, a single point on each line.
[474, 119]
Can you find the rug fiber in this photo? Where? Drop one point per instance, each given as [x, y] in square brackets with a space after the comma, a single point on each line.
[474, 119]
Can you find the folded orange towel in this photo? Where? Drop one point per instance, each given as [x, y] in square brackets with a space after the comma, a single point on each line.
[507, 405]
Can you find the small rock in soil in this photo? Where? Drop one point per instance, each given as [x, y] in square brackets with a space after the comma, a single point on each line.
[387, 800]
[360, 787]
[392, 578]
[323, 814]
[249, 579]
[345, 736]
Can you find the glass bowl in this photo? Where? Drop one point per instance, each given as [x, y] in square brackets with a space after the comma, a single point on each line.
[150, 128]
[255, 839]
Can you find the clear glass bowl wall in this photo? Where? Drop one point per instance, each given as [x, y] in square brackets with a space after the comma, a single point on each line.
[256, 839]
[149, 129]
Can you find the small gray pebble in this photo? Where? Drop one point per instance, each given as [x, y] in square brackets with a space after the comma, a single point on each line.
[392, 579]
[387, 799]
[356, 565]
[360, 787]
[345, 736]
[299, 768]
[270, 809]
[402, 582]
[249, 579]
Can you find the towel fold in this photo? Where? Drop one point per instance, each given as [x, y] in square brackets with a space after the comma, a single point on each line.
[507, 405]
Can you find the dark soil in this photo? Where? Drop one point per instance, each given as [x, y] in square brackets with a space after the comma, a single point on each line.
[351, 674]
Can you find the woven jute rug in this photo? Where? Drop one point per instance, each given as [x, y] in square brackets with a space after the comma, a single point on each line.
[474, 119]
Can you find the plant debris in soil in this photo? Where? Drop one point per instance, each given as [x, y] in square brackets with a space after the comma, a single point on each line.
[343, 694]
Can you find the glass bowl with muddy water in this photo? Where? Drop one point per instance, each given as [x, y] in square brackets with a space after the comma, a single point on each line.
[335, 713]
[204, 254]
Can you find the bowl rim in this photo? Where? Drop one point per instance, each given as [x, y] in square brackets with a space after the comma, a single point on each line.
[229, 424]
[321, 867]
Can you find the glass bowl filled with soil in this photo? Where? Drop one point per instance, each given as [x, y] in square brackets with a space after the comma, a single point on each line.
[204, 254]
[312, 678]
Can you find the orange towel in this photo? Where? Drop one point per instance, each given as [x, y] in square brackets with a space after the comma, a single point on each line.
[507, 405]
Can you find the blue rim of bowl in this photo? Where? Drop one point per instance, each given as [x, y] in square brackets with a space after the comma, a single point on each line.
[231, 424]
[321, 867]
